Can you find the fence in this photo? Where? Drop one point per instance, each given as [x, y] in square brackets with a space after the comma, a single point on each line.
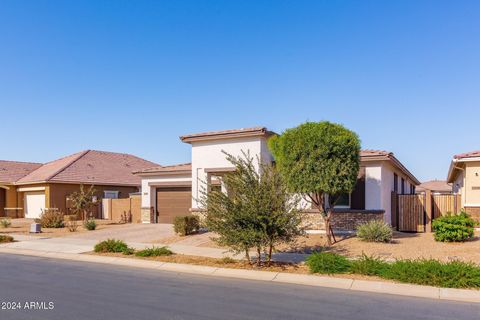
[123, 209]
[415, 212]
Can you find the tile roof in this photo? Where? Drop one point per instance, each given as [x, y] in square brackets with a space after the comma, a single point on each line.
[12, 171]
[435, 185]
[374, 153]
[470, 154]
[167, 169]
[91, 167]
[243, 132]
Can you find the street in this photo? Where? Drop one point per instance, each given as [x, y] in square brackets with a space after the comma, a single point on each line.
[77, 290]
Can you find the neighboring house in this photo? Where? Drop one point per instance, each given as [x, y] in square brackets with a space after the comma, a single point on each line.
[435, 186]
[50, 185]
[175, 190]
[464, 174]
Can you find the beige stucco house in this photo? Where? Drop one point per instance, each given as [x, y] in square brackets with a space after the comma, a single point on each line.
[464, 174]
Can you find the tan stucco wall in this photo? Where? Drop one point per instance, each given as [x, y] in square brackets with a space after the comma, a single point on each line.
[472, 184]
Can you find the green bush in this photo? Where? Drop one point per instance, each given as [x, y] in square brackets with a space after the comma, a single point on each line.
[186, 225]
[375, 231]
[112, 245]
[90, 224]
[154, 252]
[453, 228]
[5, 238]
[5, 222]
[51, 218]
[328, 263]
[370, 266]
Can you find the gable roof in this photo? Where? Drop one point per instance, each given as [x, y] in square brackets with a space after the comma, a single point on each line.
[91, 167]
[471, 154]
[382, 155]
[460, 158]
[435, 186]
[227, 134]
[12, 171]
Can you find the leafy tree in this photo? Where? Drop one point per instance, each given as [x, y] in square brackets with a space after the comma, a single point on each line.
[257, 211]
[83, 201]
[319, 160]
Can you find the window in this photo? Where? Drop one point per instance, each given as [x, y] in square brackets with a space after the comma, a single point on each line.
[395, 182]
[412, 189]
[110, 194]
[403, 186]
[343, 201]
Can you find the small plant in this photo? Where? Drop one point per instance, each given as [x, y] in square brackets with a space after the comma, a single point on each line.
[5, 238]
[112, 245]
[228, 260]
[453, 228]
[71, 222]
[154, 252]
[328, 263]
[5, 222]
[370, 266]
[90, 224]
[186, 225]
[51, 218]
[375, 231]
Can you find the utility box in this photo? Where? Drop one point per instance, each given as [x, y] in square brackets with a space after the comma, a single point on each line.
[35, 228]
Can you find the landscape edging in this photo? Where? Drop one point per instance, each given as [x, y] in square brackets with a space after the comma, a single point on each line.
[410, 290]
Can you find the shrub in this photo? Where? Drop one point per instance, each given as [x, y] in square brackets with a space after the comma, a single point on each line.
[375, 231]
[228, 260]
[186, 225]
[5, 222]
[5, 238]
[112, 245]
[329, 263]
[154, 252]
[51, 218]
[90, 224]
[370, 266]
[453, 228]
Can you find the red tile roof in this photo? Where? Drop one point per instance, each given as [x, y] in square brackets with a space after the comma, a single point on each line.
[224, 134]
[470, 154]
[91, 167]
[177, 168]
[12, 171]
[435, 186]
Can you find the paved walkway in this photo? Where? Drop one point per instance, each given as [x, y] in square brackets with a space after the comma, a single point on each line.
[79, 244]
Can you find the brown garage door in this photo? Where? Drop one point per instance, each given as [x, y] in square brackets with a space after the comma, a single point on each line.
[173, 202]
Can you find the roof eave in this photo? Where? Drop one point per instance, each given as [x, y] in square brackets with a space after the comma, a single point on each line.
[227, 135]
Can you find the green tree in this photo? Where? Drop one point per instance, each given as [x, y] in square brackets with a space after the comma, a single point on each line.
[256, 212]
[83, 201]
[319, 160]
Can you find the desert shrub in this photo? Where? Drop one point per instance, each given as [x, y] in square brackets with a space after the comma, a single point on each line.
[375, 231]
[228, 260]
[5, 238]
[51, 218]
[112, 245]
[90, 224]
[453, 228]
[329, 263]
[454, 274]
[370, 266]
[5, 222]
[154, 252]
[186, 225]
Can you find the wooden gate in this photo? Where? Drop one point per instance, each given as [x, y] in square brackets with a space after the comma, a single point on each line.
[445, 203]
[411, 212]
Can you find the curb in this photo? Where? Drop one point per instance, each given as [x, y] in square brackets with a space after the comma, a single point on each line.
[277, 277]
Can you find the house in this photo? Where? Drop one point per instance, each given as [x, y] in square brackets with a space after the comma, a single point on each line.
[464, 174]
[29, 188]
[169, 191]
[435, 186]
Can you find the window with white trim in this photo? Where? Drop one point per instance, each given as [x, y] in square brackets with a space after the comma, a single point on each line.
[108, 194]
[344, 201]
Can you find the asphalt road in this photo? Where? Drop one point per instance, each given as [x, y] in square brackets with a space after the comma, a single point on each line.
[80, 290]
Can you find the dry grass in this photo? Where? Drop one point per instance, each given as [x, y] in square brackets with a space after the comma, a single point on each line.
[22, 227]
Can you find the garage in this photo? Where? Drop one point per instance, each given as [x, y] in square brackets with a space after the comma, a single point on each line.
[173, 202]
[34, 204]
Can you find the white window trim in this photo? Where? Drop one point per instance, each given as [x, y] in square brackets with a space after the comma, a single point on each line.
[343, 206]
[105, 192]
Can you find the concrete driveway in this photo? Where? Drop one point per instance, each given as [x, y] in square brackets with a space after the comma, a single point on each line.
[139, 233]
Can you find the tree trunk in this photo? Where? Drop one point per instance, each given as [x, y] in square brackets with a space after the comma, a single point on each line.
[247, 255]
[259, 258]
[270, 249]
[328, 230]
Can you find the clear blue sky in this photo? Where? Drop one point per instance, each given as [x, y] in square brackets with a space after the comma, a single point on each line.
[131, 76]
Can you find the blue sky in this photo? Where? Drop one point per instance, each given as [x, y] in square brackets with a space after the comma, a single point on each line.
[131, 76]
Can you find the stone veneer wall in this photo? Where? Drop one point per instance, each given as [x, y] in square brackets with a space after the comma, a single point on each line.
[474, 212]
[342, 220]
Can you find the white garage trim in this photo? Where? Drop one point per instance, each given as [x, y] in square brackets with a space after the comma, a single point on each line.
[31, 189]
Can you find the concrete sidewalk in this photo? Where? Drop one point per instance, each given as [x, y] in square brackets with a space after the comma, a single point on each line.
[278, 277]
[77, 245]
